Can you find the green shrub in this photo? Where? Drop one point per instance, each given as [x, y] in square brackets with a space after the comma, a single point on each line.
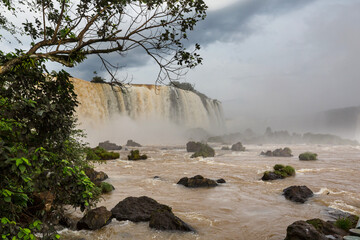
[308, 156]
[278, 167]
[99, 153]
[90, 154]
[344, 223]
[289, 170]
[106, 187]
[281, 173]
[135, 155]
[281, 170]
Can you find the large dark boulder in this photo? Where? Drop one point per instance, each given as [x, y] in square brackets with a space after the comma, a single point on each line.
[141, 209]
[197, 181]
[314, 229]
[163, 219]
[95, 176]
[193, 146]
[205, 152]
[131, 143]
[327, 228]
[237, 147]
[200, 149]
[297, 193]
[95, 219]
[107, 145]
[286, 152]
[136, 209]
[301, 230]
[268, 176]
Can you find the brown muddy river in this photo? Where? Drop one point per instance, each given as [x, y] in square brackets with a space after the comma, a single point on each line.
[244, 207]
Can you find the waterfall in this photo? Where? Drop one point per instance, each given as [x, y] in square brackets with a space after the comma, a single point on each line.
[100, 104]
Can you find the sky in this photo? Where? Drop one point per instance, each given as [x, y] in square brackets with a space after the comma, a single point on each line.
[267, 58]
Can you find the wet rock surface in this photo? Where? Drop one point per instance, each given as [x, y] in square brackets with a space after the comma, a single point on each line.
[298, 193]
[286, 152]
[237, 147]
[107, 145]
[131, 143]
[163, 219]
[193, 146]
[141, 209]
[301, 230]
[136, 209]
[95, 176]
[95, 219]
[314, 229]
[197, 181]
[200, 149]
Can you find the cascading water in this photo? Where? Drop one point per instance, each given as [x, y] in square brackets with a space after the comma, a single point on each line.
[100, 105]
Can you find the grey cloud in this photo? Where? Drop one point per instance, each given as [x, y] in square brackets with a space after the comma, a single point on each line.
[227, 24]
[85, 70]
[233, 22]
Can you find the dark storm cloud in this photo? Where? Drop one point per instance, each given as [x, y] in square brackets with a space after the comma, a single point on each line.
[135, 58]
[232, 23]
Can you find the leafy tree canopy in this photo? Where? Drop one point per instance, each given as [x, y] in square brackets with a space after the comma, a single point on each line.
[67, 31]
[40, 156]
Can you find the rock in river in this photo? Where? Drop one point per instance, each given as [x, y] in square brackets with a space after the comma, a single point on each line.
[297, 193]
[109, 146]
[131, 143]
[237, 147]
[136, 209]
[140, 209]
[163, 219]
[197, 181]
[95, 219]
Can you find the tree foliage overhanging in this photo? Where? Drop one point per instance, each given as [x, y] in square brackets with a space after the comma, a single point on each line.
[67, 31]
[39, 152]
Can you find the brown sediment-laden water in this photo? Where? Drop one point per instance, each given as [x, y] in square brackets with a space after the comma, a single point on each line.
[243, 208]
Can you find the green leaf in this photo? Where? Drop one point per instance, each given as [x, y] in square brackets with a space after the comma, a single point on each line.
[20, 234]
[22, 168]
[4, 220]
[19, 161]
[7, 199]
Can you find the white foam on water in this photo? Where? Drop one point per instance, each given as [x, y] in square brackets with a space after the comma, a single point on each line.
[304, 170]
[327, 191]
[341, 205]
[197, 216]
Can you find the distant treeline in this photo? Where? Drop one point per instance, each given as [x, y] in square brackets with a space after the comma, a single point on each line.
[283, 136]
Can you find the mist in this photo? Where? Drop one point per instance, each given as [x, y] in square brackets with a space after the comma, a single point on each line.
[151, 131]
